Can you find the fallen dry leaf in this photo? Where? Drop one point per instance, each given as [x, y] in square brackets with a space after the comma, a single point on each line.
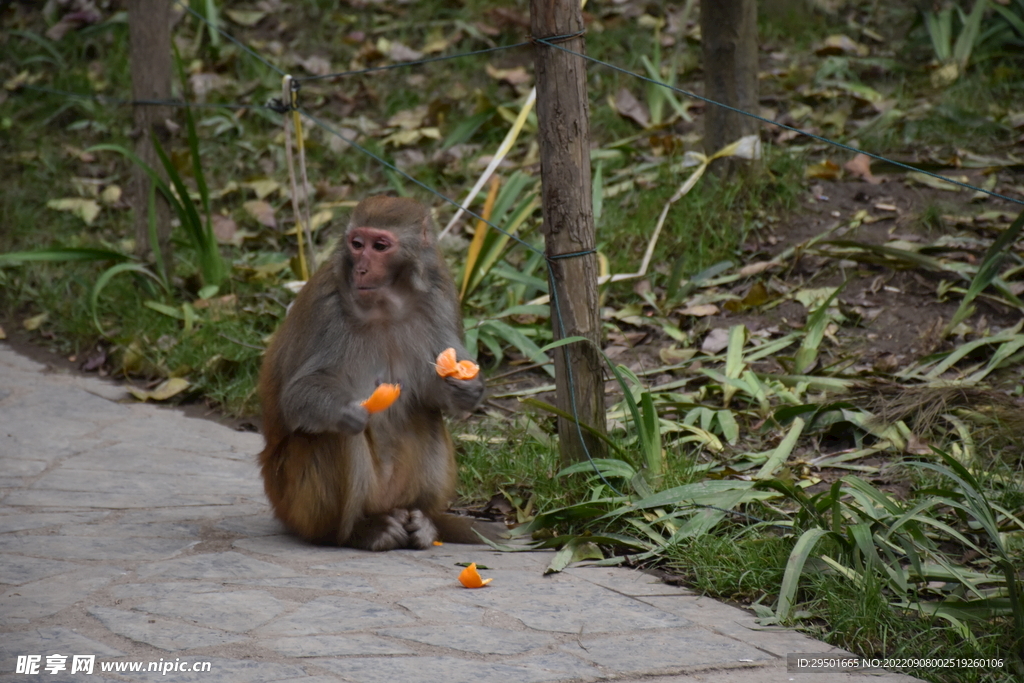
[936, 183]
[111, 194]
[627, 105]
[33, 323]
[410, 119]
[318, 66]
[823, 170]
[402, 53]
[839, 44]
[243, 17]
[263, 187]
[715, 341]
[86, 209]
[163, 391]
[670, 355]
[514, 76]
[756, 267]
[225, 230]
[261, 211]
[700, 310]
[860, 166]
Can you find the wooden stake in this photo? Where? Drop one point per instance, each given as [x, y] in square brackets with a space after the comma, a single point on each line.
[149, 36]
[563, 115]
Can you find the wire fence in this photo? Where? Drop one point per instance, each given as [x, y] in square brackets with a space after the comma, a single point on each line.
[549, 42]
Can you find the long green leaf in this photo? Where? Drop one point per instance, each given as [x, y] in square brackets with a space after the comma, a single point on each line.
[817, 322]
[782, 451]
[106, 277]
[794, 568]
[989, 265]
[59, 254]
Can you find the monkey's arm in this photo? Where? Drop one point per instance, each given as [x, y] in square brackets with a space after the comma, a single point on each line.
[316, 402]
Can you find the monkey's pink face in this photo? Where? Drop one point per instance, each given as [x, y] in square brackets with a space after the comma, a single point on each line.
[374, 257]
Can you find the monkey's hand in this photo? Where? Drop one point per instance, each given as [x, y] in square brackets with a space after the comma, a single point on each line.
[465, 394]
[352, 418]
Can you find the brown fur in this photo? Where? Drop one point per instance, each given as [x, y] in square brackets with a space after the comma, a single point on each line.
[334, 474]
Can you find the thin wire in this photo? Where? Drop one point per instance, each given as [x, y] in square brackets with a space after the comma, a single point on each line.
[552, 290]
[834, 143]
[228, 36]
[426, 60]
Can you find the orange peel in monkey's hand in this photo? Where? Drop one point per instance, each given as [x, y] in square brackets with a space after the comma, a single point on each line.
[382, 397]
[447, 366]
[470, 577]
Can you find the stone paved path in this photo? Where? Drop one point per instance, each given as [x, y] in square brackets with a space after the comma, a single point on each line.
[135, 534]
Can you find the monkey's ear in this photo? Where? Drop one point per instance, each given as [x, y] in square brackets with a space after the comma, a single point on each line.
[425, 230]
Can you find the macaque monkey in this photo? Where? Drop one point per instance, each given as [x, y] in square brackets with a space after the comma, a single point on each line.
[380, 310]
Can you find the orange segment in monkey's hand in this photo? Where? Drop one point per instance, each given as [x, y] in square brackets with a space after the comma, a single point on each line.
[382, 397]
[470, 577]
[448, 367]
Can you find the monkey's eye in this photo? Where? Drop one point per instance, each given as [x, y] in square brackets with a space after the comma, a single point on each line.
[381, 245]
[357, 243]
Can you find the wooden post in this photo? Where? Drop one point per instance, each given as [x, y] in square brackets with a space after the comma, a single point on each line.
[563, 115]
[149, 35]
[728, 30]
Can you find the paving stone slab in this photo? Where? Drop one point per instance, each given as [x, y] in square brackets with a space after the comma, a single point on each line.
[335, 614]
[260, 523]
[44, 641]
[226, 565]
[63, 677]
[443, 609]
[93, 548]
[477, 639]
[111, 501]
[337, 584]
[127, 531]
[292, 548]
[164, 589]
[626, 581]
[151, 488]
[335, 646]
[18, 569]
[665, 651]
[224, 670]
[452, 670]
[575, 607]
[22, 467]
[160, 459]
[186, 433]
[238, 611]
[49, 596]
[37, 520]
[248, 507]
[165, 634]
[392, 563]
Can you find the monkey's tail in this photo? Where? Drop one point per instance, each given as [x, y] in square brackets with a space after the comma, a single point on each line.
[455, 529]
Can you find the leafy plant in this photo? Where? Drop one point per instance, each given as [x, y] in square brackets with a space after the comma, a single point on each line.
[954, 56]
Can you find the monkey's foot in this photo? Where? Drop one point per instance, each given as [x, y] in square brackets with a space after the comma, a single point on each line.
[382, 532]
[422, 532]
